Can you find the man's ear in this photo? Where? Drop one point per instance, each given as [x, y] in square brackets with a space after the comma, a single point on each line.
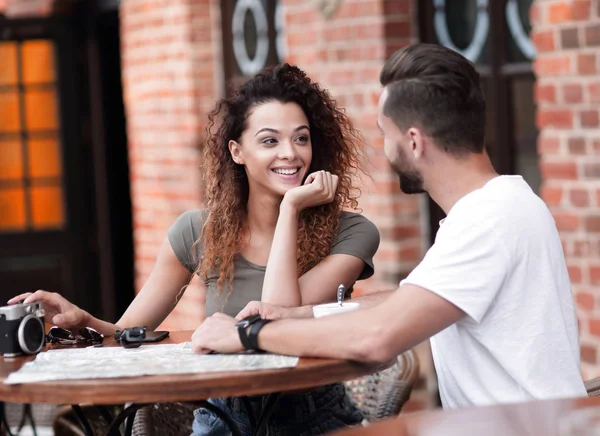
[236, 152]
[417, 143]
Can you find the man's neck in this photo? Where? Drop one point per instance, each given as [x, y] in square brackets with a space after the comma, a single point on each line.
[454, 178]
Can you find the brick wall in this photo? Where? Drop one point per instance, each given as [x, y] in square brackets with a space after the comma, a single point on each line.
[169, 70]
[567, 35]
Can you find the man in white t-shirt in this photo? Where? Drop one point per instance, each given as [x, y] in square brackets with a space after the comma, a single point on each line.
[492, 293]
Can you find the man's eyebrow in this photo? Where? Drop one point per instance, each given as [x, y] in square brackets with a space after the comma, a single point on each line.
[266, 129]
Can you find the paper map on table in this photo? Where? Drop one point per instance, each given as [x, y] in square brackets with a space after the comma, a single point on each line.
[105, 362]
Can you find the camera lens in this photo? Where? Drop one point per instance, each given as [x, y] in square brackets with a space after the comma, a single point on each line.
[31, 334]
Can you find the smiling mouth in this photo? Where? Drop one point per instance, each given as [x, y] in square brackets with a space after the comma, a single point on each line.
[286, 171]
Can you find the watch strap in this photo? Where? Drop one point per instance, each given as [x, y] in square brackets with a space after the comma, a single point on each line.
[253, 334]
[244, 339]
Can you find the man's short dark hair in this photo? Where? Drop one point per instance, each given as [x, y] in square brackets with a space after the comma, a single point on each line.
[438, 90]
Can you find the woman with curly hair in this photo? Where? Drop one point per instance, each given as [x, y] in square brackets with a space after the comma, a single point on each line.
[281, 162]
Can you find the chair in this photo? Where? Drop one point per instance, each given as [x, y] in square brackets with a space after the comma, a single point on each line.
[165, 419]
[382, 395]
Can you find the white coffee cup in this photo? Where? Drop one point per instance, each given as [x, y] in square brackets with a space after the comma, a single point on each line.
[333, 308]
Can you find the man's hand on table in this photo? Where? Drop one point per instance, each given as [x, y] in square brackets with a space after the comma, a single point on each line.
[217, 333]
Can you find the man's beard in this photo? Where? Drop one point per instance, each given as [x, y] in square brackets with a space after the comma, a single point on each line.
[411, 181]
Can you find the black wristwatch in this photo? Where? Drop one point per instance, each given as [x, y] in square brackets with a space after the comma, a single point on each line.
[250, 339]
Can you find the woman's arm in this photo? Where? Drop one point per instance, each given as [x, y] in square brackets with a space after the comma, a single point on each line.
[282, 287]
[157, 297]
[149, 308]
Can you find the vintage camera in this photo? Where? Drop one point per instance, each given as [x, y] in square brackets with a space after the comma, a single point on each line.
[22, 329]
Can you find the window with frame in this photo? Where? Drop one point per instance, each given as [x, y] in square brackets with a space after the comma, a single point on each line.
[31, 190]
[253, 37]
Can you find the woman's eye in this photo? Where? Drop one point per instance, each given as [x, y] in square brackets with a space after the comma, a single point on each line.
[302, 139]
[269, 141]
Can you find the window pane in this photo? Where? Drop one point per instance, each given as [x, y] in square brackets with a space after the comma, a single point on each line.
[517, 29]
[11, 160]
[12, 209]
[523, 112]
[9, 111]
[8, 63]
[40, 110]
[463, 25]
[44, 158]
[38, 62]
[46, 207]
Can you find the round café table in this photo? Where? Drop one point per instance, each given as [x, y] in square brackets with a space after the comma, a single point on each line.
[195, 387]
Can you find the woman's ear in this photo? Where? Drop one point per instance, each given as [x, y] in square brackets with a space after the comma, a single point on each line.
[236, 152]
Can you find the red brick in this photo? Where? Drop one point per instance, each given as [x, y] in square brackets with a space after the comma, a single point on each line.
[586, 64]
[544, 40]
[594, 325]
[558, 170]
[575, 273]
[585, 300]
[579, 197]
[594, 272]
[576, 146]
[569, 38]
[591, 35]
[535, 14]
[554, 118]
[589, 118]
[591, 170]
[580, 10]
[588, 354]
[573, 93]
[544, 93]
[552, 195]
[594, 92]
[559, 12]
[592, 223]
[400, 231]
[395, 7]
[548, 145]
[566, 222]
[552, 66]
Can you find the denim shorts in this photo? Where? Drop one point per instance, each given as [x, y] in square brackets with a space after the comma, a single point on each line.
[310, 413]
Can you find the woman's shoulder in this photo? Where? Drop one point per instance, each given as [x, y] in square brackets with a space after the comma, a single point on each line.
[352, 219]
[356, 224]
[190, 223]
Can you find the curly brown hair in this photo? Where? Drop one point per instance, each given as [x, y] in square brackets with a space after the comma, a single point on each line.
[336, 147]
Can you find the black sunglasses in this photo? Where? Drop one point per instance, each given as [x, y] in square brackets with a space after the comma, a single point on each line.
[85, 335]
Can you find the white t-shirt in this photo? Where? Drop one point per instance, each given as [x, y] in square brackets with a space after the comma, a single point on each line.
[498, 257]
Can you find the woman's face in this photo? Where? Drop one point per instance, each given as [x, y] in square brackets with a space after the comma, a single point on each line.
[275, 149]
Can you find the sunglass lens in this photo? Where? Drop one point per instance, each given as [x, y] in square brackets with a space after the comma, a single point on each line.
[56, 334]
[91, 335]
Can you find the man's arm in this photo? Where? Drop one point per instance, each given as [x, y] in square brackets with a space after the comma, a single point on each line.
[376, 334]
[271, 311]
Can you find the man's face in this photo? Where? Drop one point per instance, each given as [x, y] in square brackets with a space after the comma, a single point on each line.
[397, 147]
